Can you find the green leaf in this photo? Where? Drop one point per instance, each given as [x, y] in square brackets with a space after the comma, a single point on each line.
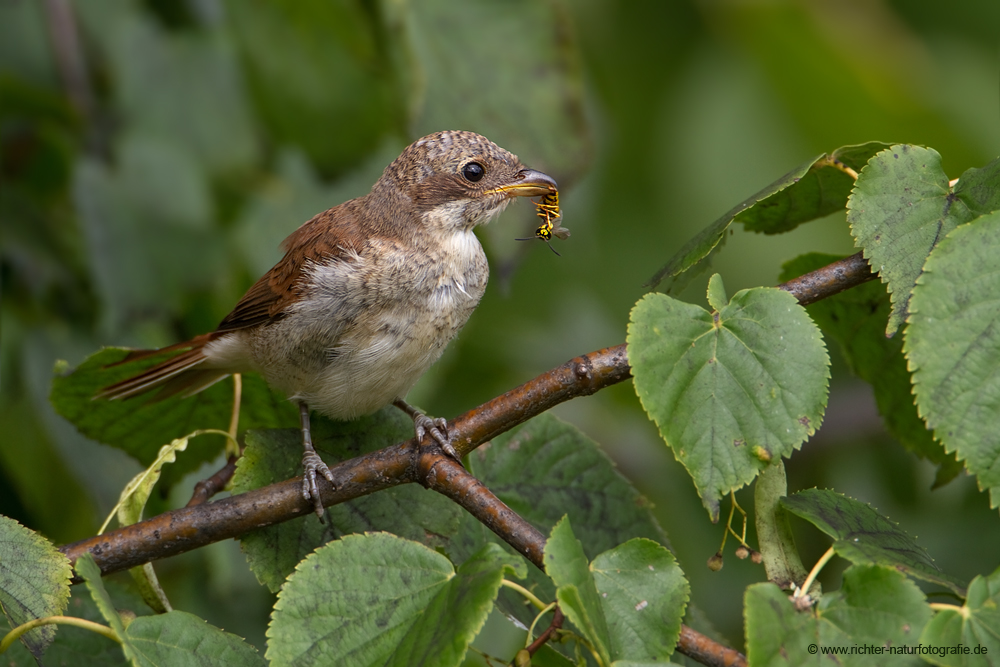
[975, 627]
[530, 100]
[717, 298]
[576, 591]
[699, 247]
[980, 188]
[164, 640]
[812, 190]
[777, 545]
[862, 535]
[901, 208]
[549, 657]
[178, 639]
[546, 468]
[877, 610]
[140, 425]
[86, 567]
[149, 587]
[877, 605]
[953, 344]
[80, 648]
[628, 603]
[730, 391]
[442, 633]
[391, 600]
[273, 552]
[34, 582]
[822, 190]
[855, 320]
[132, 500]
[643, 595]
[543, 470]
[382, 585]
[314, 67]
[275, 455]
[130, 506]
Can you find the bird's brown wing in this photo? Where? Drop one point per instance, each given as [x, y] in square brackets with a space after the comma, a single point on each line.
[327, 235]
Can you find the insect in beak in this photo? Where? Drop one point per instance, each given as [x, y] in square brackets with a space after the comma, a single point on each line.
[548, 209]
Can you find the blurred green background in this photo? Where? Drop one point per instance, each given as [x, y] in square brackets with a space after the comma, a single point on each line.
[151, 166]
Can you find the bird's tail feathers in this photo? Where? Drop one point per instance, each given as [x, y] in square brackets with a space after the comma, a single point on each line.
[179, 374]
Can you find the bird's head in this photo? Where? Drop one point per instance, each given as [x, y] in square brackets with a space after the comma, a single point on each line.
[457, 180]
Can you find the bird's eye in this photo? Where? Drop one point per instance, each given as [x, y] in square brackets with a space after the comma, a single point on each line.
[473, 172]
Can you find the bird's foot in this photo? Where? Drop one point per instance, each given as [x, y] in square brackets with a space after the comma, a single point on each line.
[437, 428]
[312, 464]
[423, 425]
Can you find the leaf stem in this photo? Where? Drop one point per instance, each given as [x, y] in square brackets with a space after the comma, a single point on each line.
[234, 418]
[531, 630]
[941, 606]
[541, 606]
[729, 523]
[16, 633]
[807, 584]
[590, 647]
[736, 506]
[733, 508]
[830, 161]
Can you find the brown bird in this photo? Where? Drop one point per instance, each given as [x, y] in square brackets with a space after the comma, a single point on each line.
[367, 296]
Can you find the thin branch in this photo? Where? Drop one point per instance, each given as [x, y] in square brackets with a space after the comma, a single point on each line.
[207, 488]
[829, 280]
[542, 639]
[449, 478]
[195, 526]
[707, 651]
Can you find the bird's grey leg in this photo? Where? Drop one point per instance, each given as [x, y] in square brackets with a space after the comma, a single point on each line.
[311, 463]
[436, 428]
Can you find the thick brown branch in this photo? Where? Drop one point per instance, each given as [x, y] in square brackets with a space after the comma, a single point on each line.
[181, 530]
[582, 376]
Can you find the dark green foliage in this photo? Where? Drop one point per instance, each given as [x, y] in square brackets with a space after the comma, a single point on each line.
[140, 200]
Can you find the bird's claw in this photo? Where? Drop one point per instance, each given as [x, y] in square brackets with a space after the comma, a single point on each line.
[437, 429]
[311, 464]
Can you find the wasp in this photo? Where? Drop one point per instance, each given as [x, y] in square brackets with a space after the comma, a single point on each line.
[548, 210]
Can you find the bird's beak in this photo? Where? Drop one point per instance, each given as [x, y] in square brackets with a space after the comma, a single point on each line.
[528, 183]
